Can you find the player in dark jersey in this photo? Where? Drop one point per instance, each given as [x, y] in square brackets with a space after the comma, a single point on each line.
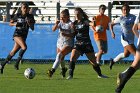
[23, 21]
[83, 43]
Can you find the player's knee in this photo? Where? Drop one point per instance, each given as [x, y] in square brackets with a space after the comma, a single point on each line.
[126, 55]
[12, 53]
[24, 48]
[73, 60]
[101, 52]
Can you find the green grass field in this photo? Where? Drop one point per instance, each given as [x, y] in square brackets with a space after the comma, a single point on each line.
[85, 80]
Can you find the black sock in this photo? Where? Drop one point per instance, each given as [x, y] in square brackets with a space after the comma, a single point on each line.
[71, 68]
[21, 52]
[63, 68]
[126, 76]
[97, 69]
[53, 70]
[18, 60]
[9, 57]
[130, 71]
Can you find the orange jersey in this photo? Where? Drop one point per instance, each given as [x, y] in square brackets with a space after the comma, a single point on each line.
[102, 20]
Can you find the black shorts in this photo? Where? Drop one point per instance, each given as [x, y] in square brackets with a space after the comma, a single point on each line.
[17, 34]
[84, 48]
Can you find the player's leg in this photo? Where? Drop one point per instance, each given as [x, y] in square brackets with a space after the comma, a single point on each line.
[132, 49]
[9, 57]
[66, 50]
[123, 77]
[102, 49]
[116, 59]
[63, 68]
[20, 41]
[55, 64]
[74, 56]
[119, 57]
[96, 67]
[59, 58]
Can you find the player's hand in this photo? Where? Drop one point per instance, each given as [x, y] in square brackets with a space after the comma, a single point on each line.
[57, 21]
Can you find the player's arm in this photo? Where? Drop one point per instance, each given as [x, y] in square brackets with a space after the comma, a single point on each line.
[72, 34]
[92, 23]
[136, 26]
[31, 22]
[135, 30]
[111, 29]
[111, 26]
[114, 22]
[55, 25]
[13, 21]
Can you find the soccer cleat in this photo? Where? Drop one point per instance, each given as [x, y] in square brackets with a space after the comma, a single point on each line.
[16, 66]
[50, 73]
[1, 68]
[64, 70]
[103, 76]
[69, 77]
[120, 83]
[111, 63]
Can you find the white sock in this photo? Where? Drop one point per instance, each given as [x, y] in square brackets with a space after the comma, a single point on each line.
[96, 54]
[57, 61]
[119, 57]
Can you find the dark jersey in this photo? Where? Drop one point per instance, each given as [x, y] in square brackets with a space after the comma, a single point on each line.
[22, 27]
[83, 42]
[82, 31]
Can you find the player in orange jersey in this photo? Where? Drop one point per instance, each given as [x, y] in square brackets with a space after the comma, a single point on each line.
[100, 36]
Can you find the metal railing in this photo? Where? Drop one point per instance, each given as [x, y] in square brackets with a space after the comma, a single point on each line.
[50, 11]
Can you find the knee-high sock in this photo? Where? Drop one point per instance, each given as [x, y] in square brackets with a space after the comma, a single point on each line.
[9, 57]
[62, 64]
[97, 69]
[57, 61]
[71, 68]
[21, 53]
[119, 57]
[127, 74]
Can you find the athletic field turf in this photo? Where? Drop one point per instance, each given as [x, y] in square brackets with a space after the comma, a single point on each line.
[85, 80]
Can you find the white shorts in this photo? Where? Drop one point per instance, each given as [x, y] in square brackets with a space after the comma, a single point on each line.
[125, 43]
[62, 43]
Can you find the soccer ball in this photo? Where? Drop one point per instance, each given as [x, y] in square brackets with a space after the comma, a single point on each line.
[29, 73]
[99, 28]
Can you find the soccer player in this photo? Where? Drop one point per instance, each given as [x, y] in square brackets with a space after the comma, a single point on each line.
[83, 43]
[23, 21]
[123, 77]
[126, 22]
[102, 21]
[65, 41]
